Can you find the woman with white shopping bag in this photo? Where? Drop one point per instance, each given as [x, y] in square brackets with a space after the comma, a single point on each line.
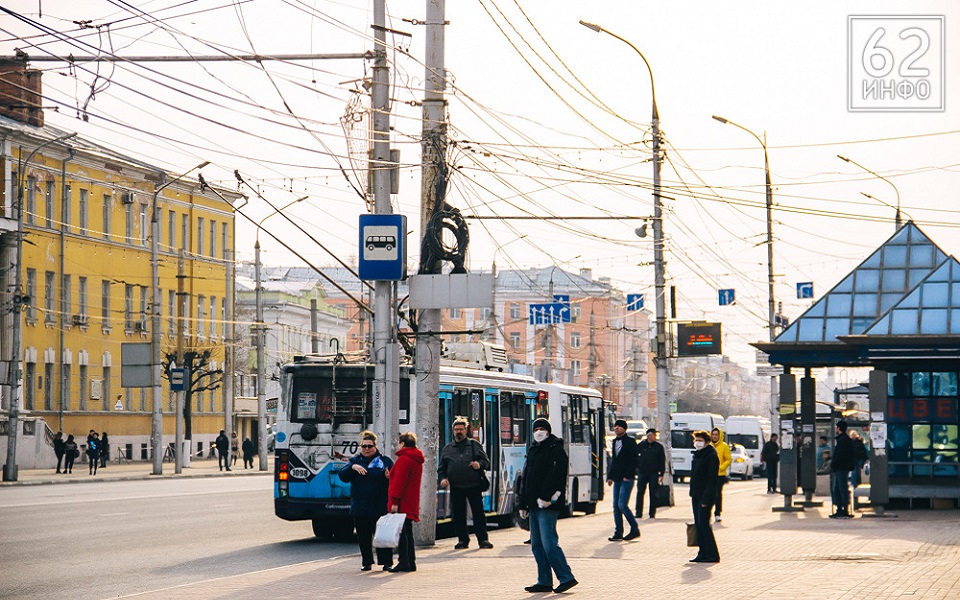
[404, 497]
[368, 474]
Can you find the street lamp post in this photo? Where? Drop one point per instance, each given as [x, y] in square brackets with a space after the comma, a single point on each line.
[156, 428]
[899, 219]
[261, 360]
[13, 371]
[771, 307]
[663, 407]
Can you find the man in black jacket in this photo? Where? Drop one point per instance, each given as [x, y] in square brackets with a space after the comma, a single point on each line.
[770, 457]
[623, 468]
[460, 466]
[542, 485]
[704, 479]
[843, 461]
[222, 444]
[650, 469]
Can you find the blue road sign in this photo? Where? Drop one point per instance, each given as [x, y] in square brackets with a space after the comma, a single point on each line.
[805, 290]
[176, 380]
[727, 297]
[562, 298]
[546, 314]
[383, 247]
[634, 302]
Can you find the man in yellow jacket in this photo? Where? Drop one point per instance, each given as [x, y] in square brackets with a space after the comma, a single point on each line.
[726, 459]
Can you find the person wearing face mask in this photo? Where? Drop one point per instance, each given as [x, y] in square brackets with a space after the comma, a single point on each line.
[703, 493]
[541, 495]
[368, 474]
[460, 467]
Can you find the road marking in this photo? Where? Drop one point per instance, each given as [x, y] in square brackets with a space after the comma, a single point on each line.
[114, 514]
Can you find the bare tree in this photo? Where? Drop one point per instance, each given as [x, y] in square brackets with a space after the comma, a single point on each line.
[198, 377]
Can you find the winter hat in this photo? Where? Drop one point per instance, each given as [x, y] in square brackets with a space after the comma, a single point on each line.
[620, 423]
[542, 423]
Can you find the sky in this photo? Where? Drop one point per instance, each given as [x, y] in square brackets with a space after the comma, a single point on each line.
[546, 118]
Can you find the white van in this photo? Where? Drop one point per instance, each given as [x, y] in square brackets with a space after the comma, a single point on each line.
[682, 426]
[751, 432]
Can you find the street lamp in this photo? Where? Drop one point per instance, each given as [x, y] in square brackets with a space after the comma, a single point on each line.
[663, 408]
[771, 306]
[261, 360]
[13, 371]
[899, 219]
[156, 429]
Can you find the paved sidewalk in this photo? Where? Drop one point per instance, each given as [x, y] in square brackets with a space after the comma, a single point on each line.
[133, 470]
[764, 555]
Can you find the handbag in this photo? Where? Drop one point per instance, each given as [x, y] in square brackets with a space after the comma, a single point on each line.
[692, 535]
[661, 496]
[389, 527]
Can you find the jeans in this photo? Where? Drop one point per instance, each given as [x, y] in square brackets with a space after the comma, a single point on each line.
[406, 555]
[366, 526]
[458, 499]
[708, 543]
[840, 491]
[621, 507]
[721, 481]
[645, 480]
[223, 459]
[545, 544]
[856, 475]
[772, 476]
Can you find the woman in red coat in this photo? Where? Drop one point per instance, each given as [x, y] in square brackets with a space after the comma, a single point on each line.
[404, 497]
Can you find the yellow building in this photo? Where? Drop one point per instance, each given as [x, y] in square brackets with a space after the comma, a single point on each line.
[85, 279]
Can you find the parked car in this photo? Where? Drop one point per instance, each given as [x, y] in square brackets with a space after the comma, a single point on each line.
[742, 465]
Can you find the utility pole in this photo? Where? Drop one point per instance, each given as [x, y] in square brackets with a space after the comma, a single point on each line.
[385, 352]
[314, 338]
[183, 452]
[261, 366]
[434, 140]
[592, 367]
[549, 374]
[228, 346]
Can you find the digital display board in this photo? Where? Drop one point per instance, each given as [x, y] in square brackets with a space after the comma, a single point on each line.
[698, 339]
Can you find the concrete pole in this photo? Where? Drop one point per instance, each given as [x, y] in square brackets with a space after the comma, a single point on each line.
[181, 453]
[228, 346]
[434, 139]
[314, 338]
[261, 366]
[385, 404]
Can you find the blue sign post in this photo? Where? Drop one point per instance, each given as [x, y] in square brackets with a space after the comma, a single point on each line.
[634, 302]
[176, 380]
[727, 297]
[549, 313]
[383, 247]
[805, 290]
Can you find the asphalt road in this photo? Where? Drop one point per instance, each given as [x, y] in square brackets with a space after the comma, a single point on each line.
[110, 539]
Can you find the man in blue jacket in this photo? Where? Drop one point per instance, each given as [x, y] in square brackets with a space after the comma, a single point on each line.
[623, 469]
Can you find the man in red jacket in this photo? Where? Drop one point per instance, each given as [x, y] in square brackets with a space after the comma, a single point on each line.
[404, 497]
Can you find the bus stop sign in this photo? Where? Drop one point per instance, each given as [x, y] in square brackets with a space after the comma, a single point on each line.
[383, 247]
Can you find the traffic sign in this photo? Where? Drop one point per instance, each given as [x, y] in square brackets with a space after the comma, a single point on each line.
[727, 297]
[769, 370]
[562, 298]
[634, 302]
[383, 248]
[805, 290]
[546, 314]
[176, 380]
[762, 357]
[118, 405]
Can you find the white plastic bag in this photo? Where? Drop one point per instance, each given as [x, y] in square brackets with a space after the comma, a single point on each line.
[388, 531]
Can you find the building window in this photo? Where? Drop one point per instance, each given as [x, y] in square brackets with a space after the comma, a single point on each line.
[65, 298]
[514, 311]
[82, 296]
[213, 316]
[106, 389]
[455, 313]
[574, 312]
[143, 399]
[575, 339]
[49, 293]
[84, 212]
[48, 386]
[31, 212]
[185, 232]
[144, 227]
[66, 395]
[514, 339]
[48, 202]
[171, 230]
[128, 307]
[223, 315]
[199, 401]
[29, 385]
[32, 294]
[83, 387]
[201, 309]
[171, 313]
[144, 293]
[224, 239]
[199, 236]
[213, 239]
[106, 216]
[575, 367]
[128, 213]
[105, 302]
[67, 205]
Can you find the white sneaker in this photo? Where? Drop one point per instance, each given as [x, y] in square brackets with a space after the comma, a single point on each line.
[717, 520]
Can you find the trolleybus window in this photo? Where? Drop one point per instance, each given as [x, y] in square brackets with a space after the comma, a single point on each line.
[579, 420]
[513, 425]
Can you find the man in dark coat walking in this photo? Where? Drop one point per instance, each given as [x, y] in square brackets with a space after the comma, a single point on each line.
[460, 467]
[623, 468]
[651, 465]
[843, 461]
[223, 450]
[770, 457]
[704, 480]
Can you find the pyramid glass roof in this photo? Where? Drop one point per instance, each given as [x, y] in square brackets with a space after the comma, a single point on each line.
[931, 308]
[875, 287]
